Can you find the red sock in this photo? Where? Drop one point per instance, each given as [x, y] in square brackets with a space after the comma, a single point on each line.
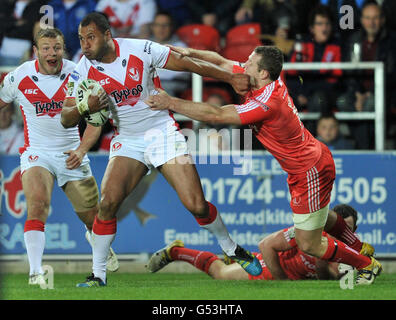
[34, 224]
[103, 227]
[338, 251]
[341, 231]
[211, 217]
[199, 259]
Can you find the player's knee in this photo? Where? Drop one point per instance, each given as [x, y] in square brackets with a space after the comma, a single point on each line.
[308, 247]
[198, 207]
[38, 208]
[108, 206]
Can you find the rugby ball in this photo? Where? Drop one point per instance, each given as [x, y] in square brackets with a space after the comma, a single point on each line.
[85, 88]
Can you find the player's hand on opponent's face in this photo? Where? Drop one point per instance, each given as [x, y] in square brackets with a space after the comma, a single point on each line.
[74, 159]
[98, 102]
[241, 83]
[159, 101]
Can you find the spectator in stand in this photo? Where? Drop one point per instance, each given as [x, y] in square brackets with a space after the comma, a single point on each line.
[17, 19]
[11, 135]
[218, 14]
[162, 30]
[316, 91]
[327, 130]
[178, 9]
[129, 18]
[372, 43]
[67, 16]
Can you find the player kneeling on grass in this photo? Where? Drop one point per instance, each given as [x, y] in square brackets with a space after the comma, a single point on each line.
[280, 257]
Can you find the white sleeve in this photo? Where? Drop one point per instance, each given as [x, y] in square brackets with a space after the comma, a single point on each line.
[159, 53]
[8, 88]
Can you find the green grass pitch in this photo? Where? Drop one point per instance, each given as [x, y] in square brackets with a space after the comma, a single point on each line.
[167, 286]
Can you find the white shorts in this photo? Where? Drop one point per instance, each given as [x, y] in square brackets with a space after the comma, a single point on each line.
[153, 149]
[55, 163]
[311, 221]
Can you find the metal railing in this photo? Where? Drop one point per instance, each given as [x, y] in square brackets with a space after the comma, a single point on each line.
[378, 116]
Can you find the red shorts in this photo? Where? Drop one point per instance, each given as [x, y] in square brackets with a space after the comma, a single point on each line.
[311, 190]
[265, 274]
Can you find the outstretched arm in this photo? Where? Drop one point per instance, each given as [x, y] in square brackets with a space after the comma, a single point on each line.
[206, 55]
[195, 110]
[269, 247]
[240, 82]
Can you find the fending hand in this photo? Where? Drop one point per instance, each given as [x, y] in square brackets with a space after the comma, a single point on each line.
[160, 101]
[241, 83]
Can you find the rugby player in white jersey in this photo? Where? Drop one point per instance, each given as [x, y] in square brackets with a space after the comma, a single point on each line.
[126, 70]
[50, 151]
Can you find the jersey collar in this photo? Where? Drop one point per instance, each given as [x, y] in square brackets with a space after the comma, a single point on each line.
[36, 65]
[117, 47]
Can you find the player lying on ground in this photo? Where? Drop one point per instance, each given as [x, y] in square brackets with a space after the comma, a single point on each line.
[50, 151]
[278, 250]
[126, 69]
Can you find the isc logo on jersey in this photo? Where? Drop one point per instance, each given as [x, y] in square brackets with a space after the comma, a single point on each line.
[104, 81]
[31, 91]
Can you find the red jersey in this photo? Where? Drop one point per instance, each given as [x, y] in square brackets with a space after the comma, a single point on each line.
[273, 117]
[296, 264]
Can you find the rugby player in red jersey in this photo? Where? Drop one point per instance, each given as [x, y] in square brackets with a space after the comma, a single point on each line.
[278, 249]
[274, 120]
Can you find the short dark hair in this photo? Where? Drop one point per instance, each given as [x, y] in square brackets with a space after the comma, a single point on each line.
[373, 3]
[271, 60]
[320, 10]
[346, 211]
[48, 33]
[99, 18]
[327, 115]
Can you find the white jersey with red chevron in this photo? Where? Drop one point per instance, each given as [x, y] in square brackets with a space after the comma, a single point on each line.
[40, 98]
[129, 80]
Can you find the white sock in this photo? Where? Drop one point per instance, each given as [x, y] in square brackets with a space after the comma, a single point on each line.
[100, 251]
[35, 243]
[220, 231]
[88, 235]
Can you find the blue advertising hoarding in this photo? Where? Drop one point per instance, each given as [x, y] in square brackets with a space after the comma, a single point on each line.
[251, 205]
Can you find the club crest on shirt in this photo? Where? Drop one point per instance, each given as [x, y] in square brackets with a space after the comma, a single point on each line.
[134, 74]
[33, 158]
[116, 146]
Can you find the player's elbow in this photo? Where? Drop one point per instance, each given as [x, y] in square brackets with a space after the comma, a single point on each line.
[67, 122]
[223, 117]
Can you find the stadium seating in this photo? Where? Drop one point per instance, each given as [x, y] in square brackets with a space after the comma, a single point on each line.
[241, 40]
[187, 94]
[200, 36]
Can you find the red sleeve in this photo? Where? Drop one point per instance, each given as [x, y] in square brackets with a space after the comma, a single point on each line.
[253, 111]
[237, 68]
[290, 236]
